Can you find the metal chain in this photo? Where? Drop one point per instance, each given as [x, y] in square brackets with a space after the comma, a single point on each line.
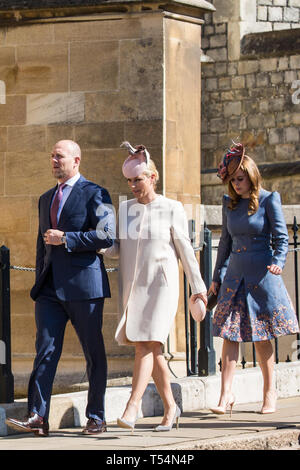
[111, 270]
[289, 251]
[23, 268]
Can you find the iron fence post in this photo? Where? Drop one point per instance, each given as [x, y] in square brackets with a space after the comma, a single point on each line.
[190, 324]
[206, 353]
[193, 324]
[295, 240]
[187, 330]
[6, 376]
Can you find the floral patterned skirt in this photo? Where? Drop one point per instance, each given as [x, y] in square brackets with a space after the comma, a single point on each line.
[233, 321]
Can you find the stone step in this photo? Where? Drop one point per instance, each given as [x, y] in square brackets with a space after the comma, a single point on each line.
[191, 393]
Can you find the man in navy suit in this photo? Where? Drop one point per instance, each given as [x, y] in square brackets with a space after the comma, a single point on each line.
[75, 220]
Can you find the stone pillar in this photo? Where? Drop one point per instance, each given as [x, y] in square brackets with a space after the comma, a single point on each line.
[182, 124]
[99, 75]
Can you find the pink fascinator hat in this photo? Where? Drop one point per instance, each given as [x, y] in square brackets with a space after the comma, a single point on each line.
[137, 161]
[197, 309]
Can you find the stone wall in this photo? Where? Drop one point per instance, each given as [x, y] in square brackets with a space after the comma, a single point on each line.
[278, 14]
[87, 81]
[249, 98]
[99, 79]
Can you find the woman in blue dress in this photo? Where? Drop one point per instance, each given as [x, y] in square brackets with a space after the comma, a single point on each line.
[253, 303]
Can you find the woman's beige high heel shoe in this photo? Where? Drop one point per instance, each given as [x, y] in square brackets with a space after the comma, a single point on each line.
[126, 424]
[221, 410]
[123, 423]
[269, 405]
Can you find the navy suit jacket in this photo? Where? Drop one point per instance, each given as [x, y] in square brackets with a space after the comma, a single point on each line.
[87, 218]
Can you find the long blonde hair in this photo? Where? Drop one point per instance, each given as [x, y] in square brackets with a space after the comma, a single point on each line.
[250, 168]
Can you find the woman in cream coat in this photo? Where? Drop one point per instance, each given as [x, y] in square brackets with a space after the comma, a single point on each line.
[152, 236]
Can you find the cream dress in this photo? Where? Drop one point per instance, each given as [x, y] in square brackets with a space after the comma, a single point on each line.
[150, 240]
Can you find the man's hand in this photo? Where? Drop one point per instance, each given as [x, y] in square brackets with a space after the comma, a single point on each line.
[53, 237]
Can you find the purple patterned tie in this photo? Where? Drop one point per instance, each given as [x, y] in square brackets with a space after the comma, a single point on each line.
[55, 205]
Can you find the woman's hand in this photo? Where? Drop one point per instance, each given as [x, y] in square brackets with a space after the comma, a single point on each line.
[201, 295]
[274, 269]
[214, 288]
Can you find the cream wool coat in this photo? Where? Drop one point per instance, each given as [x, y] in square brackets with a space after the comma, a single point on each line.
[150, 240]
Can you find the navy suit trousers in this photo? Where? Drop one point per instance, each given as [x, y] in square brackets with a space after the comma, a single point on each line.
[52, 316]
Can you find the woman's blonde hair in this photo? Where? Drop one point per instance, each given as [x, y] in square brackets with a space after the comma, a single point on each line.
[152, 170]
[250, 168]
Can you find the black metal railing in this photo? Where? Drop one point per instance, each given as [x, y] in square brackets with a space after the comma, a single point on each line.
[200, 353]
[295, 248]
[200, 360]
[6, 376]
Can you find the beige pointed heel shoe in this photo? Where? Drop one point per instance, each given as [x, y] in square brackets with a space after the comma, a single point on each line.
[128, 424]
[221, 410]
[175, 418]
[123, 423]
[269, 404]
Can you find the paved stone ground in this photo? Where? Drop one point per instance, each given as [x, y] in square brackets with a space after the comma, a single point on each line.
[200, 430]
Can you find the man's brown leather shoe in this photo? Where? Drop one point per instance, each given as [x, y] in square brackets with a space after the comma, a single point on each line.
[34, 424]
[94, 426]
